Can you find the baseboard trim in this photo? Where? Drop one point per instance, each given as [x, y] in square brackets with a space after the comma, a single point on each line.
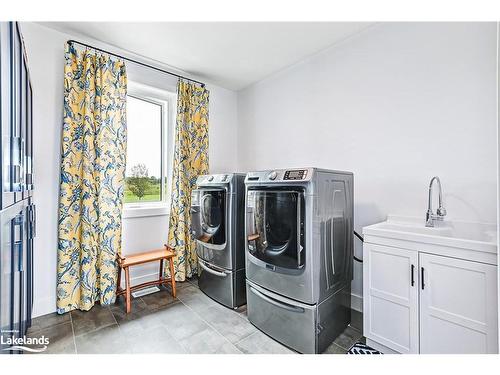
[44, 306]
[356, 302]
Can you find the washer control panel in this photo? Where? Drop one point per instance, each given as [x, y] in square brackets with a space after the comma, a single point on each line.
[278, 176]
[296, 174]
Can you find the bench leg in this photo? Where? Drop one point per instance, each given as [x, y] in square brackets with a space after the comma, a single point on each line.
[161, 271]
[172, 277]
[127, 282]
[118, 281]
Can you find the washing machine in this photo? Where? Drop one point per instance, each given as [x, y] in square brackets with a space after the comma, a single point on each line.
[299, 251]
[217, 224]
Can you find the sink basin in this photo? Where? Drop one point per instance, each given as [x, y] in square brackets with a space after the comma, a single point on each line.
[418, 229]
[461, 234]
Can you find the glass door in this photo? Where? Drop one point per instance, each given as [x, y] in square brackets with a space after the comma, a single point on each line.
[12, 231]
[18, 243]
[6, 278]
[275, 227]
[209, 210]
[6, 110]
[16, 147]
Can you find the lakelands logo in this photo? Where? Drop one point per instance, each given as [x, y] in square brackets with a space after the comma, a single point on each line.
[25, 343]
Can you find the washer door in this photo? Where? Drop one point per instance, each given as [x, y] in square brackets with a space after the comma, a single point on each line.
[275, 228]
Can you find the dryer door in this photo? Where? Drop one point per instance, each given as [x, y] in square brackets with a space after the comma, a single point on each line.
[209, 225]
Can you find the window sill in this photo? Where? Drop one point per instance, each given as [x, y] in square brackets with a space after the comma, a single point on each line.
[145, 210]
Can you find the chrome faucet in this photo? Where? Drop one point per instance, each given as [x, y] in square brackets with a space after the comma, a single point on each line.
[430, 217]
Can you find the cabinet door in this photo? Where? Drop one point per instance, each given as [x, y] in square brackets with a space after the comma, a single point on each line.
[458, 306]
[17, 230]
[391, 297]
[17, 142]
[6, 111]
[28, 151]
[12, 144]
[30, 235]
[6, 277]
[12, 232]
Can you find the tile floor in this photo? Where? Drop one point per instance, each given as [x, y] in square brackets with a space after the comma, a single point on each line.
[193, 323]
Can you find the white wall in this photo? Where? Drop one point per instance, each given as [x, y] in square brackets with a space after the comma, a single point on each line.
[45, 49]
[396, 105]
[498, 166]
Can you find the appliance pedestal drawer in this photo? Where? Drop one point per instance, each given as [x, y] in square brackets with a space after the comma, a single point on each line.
[226, 287]
[290, 322]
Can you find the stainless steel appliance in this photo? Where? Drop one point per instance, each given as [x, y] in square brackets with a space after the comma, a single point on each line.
[217, 215]
[17, 211]
[299, 241]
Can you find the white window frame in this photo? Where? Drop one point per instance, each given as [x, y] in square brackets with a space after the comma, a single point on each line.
[167, 100]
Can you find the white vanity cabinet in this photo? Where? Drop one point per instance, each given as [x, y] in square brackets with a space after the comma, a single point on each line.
[419, 299]
[390, 297]
[458, 306]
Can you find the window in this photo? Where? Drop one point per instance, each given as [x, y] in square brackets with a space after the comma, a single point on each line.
[148, 148]
[144, 151]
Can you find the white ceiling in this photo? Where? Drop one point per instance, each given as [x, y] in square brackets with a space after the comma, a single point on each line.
[232, 55]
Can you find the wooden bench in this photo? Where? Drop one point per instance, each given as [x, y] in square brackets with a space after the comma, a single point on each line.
[141, 258]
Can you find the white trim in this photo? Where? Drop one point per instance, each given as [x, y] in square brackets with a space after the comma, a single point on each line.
[48, 301]
[44, 306]
[357, 302]
[167, 100]
[145, 210]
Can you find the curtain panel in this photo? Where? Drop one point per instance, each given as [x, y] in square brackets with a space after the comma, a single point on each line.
[190, 161]
[92, 179]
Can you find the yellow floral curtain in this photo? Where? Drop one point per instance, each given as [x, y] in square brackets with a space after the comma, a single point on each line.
[92, 179]
[190, 161]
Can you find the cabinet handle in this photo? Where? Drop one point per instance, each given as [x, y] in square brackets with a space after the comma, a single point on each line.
[33, 210]
[32, 221]
[16, 174]
[17, 240]
[422, 277]
[412, 275]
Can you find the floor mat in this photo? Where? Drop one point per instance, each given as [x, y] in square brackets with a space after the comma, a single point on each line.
[360, 348]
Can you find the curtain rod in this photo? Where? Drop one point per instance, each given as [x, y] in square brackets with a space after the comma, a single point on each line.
[135, 61]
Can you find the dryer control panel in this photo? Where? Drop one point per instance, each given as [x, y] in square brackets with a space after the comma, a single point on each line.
[214, 179]
[296, 174]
